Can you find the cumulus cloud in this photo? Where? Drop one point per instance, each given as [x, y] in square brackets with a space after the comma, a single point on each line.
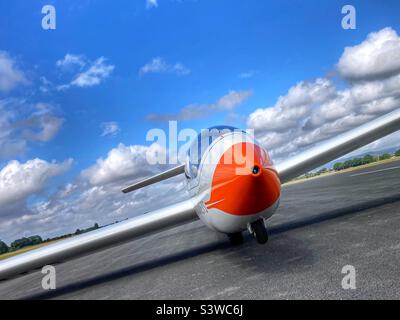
[375, 58]
[97, 72]
[313, 111]
[197, 111]
[110, 129]
[22, 122]
[85, 205]
[95, 196]
[10, 75]
[292, 108]
[18, 180]
[159, 65]
[124, 162]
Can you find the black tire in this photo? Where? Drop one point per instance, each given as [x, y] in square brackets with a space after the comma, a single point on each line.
[259, 231]
[236, 238]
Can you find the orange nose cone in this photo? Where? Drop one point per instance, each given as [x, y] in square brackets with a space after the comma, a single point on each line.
[246, 184]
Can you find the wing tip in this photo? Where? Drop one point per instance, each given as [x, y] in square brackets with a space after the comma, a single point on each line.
[156, 178]
[126, 190]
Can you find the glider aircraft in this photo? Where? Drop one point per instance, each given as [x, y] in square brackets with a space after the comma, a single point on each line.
[233, 186]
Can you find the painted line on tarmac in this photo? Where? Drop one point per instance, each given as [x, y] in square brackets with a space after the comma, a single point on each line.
[375, 171]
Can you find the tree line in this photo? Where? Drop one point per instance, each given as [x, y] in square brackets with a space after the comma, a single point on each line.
[35, 240]
[356, 162]
[367, 159]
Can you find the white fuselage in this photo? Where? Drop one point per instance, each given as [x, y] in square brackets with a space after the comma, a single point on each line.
[228, 195]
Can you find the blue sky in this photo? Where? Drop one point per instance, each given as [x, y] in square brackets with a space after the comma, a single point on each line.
[206, 49]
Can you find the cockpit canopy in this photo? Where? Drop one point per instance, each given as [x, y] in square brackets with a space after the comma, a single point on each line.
[199, 145]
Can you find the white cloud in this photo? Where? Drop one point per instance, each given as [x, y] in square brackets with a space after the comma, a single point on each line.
[45, 128]
[124, 162]
[22, 122]
[86, 204]
[288, 129]
[96, 196]
[197, 111]
[155, 65]
[41, 125]
[98, 71]
[18, 180]
[180, 69]
[45, 84]
[70, 61]
[110, 129]
[232, 99]
[314, 111]
[92, 76]
[151, 4]
[10, 75]
[375, 58]
[290, 110]
[159, 65]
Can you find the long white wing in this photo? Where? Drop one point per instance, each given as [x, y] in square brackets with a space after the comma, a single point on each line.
[184, 212]
[339, 146]
[155, 221]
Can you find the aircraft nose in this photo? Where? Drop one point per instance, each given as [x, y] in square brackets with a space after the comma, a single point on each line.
[246, 187]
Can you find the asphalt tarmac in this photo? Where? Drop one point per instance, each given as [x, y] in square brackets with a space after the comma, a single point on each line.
[321, 226]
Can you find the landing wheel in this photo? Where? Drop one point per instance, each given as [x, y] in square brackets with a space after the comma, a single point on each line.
[259, 231]
[236, 238]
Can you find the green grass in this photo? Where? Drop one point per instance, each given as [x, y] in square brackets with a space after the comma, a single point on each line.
[23, 250]
[373, 164]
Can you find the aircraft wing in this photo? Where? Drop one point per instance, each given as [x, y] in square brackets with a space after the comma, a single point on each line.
[338, 146]
[157, 178]
[102, 238]
[184, 212]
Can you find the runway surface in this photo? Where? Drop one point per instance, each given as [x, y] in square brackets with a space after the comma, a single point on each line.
[322, 225]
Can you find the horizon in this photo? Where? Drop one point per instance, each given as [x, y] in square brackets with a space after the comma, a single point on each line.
[78, 101]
